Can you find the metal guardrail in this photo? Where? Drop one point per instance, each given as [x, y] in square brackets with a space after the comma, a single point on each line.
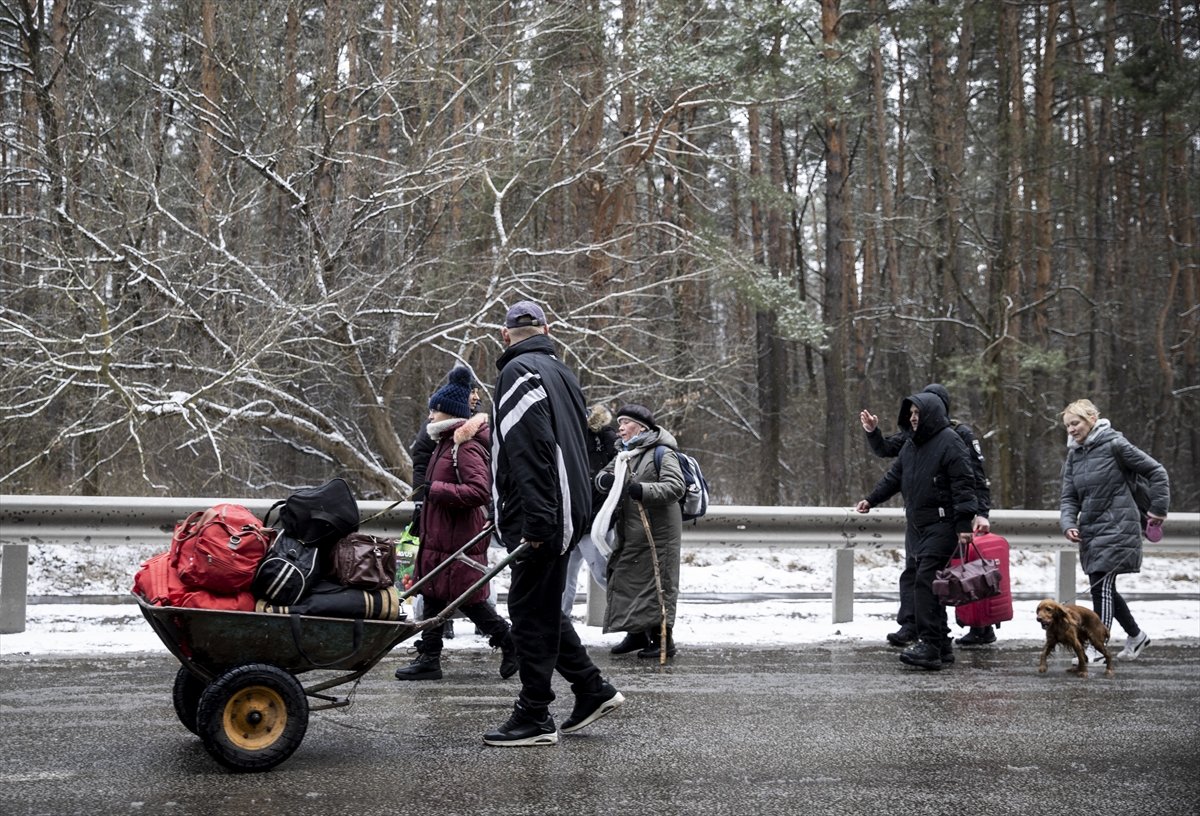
[111, 520]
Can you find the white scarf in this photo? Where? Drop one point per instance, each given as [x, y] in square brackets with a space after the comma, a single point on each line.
[603, 519]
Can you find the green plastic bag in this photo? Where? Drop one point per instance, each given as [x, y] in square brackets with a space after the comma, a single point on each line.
[406, 557]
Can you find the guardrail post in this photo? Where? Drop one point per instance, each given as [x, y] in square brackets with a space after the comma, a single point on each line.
[596, 602]
[1064, 578]
[843, 585]
[14, 575]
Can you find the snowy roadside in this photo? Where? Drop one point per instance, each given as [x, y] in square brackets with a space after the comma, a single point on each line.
[87, 629]
[80, 629]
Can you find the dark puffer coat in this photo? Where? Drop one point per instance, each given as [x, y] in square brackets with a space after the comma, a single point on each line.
[932, 471]
[1097, 501]
[887, 447]
[460, 488]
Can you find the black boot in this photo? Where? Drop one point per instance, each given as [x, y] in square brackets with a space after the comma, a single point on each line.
[632, 642]
[654, 647]
[508, 653]
[925, 655]
[425, 667]
[978, 636]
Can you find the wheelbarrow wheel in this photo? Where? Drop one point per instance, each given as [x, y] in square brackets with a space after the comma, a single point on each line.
[252, 717]
[186, 696]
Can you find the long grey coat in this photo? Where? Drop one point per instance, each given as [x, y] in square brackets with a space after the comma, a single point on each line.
[1096, 499]
[632, 597]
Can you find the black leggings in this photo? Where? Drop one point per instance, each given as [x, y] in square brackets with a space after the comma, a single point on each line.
[1108, 603]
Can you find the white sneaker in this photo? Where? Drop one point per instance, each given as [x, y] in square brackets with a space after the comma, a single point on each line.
[1091, 653]
[1134, 646]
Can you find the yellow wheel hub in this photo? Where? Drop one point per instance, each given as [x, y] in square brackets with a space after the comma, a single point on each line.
[254, 717]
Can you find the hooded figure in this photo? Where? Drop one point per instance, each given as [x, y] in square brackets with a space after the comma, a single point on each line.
[887, 447]
[934, 475]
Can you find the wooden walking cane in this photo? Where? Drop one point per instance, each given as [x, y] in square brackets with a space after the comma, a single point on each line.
[662, 598]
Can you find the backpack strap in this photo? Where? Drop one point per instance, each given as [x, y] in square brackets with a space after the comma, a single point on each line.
[276, 509]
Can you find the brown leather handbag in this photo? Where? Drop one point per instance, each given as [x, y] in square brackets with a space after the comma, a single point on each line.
[364, 561]
[966, 581]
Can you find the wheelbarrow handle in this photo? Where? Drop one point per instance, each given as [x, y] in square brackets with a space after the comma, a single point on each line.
[452, 607]
[412, 590]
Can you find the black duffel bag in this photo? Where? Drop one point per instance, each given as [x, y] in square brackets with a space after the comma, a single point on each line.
[317, 516]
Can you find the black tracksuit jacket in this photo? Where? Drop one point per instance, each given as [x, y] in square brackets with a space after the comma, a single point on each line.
[542, 487]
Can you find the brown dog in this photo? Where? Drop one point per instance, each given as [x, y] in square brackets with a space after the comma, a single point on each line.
[1073, 626]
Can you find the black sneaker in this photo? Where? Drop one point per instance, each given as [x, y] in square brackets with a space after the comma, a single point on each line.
[632, 642]
[902, 637]
[523, 729]
[592, 706]
[425, 667]
[924, 655]
[978, 636]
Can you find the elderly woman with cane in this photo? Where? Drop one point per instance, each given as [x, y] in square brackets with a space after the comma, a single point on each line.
[643, 485]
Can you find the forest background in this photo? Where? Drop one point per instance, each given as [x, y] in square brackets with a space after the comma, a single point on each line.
[243, 241]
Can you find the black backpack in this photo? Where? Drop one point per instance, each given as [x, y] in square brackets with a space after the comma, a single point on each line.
[288, 571]
[1139, 488]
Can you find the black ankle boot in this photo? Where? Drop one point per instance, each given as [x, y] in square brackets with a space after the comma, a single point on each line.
[654, 647]
[425, 667]
[632, 642]
[508, 654]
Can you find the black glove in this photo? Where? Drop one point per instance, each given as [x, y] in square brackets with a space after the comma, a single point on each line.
[635, 491]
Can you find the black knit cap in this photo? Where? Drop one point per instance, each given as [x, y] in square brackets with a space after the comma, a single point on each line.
[454, 398]
[639, 414]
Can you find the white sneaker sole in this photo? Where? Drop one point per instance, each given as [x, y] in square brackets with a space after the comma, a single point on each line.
[540, 739]
[607, 707]
[1126, 654]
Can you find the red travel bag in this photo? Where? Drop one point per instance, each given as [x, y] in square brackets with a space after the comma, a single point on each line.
[158, 582]
[998, 608]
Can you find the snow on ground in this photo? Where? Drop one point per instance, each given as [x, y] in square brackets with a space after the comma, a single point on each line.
[85, 628]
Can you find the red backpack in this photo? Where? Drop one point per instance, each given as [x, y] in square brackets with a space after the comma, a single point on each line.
[219, 549]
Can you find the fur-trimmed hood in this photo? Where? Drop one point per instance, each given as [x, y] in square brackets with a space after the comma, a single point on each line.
[461, 429]
[470, 428]
[598, 418]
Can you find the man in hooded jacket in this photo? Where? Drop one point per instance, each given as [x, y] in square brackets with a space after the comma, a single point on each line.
[934, 475]
[888, 447]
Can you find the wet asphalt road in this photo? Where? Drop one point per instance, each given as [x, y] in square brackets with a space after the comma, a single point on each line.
[815, 730]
